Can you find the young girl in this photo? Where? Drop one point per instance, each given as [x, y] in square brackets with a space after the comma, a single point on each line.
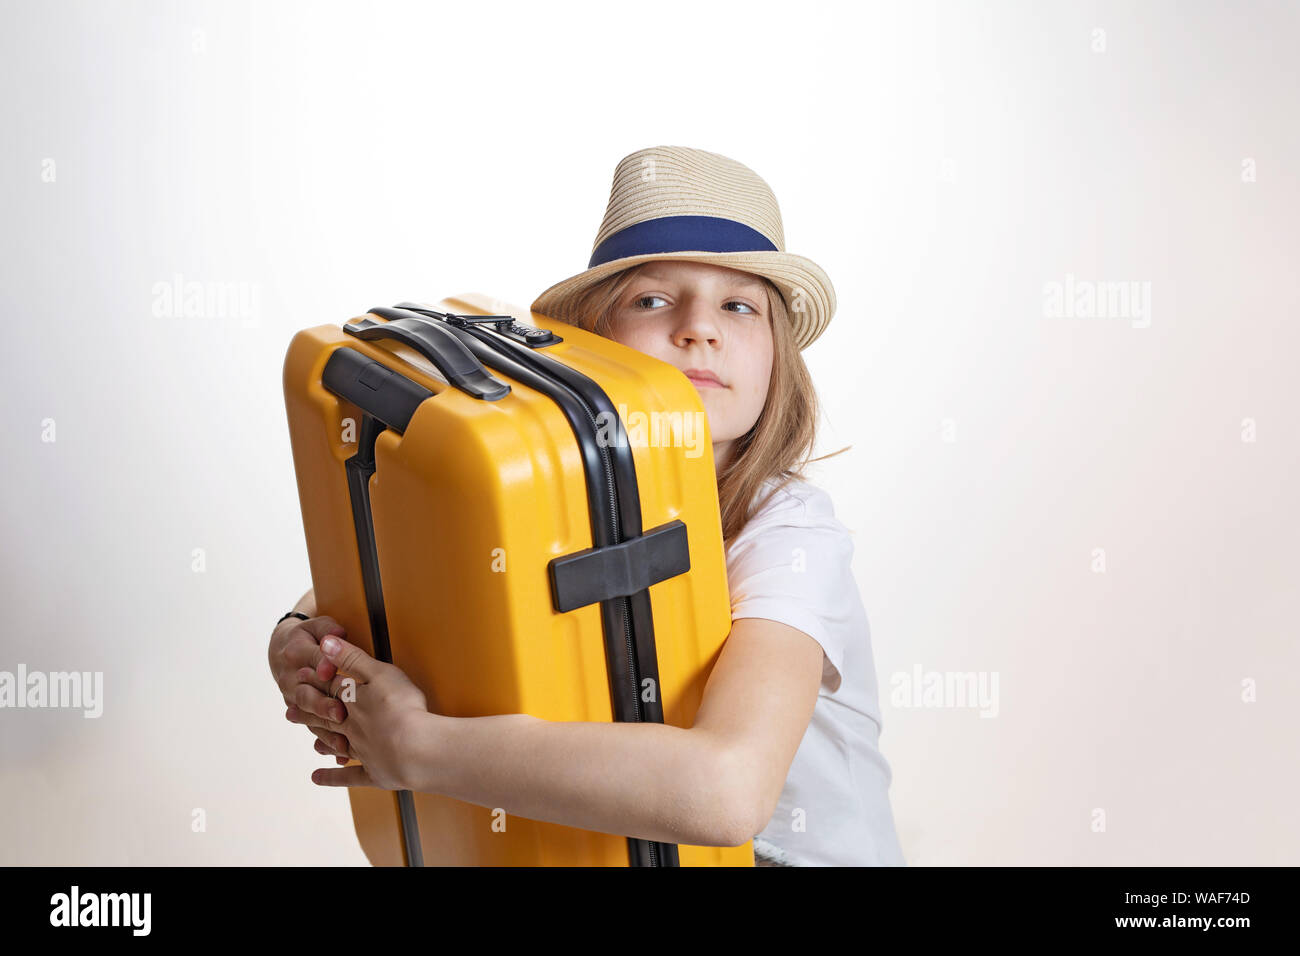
[689, 267]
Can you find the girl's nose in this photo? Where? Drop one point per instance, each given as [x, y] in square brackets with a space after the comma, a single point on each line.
[697, 324]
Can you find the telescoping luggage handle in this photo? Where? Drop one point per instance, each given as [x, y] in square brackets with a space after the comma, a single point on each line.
[439, 345]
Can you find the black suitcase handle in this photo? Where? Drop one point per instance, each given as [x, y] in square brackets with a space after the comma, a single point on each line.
[436, 343]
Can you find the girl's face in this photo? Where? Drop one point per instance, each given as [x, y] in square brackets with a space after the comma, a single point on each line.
[703, 317]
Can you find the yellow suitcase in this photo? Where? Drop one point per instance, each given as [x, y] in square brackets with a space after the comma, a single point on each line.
[524, 517]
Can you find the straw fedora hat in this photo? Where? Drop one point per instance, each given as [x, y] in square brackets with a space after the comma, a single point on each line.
[671, 202]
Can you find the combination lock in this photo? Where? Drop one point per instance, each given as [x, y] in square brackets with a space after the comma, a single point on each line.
[527, 334]
[505, 325]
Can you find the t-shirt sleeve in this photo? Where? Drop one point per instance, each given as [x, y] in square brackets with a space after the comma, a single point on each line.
[797, 570]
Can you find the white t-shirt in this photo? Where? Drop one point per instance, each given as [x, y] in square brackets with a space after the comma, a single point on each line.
[792, 563]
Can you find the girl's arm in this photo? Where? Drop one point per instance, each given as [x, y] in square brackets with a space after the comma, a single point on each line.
[716, 784]
[307, 603]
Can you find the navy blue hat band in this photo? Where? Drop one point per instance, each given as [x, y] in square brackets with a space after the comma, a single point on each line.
[681, 234]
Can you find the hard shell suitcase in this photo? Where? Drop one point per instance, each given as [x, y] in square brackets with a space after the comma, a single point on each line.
[524, 517]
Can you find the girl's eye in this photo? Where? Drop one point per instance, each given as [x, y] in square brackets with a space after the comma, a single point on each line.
[640, 304]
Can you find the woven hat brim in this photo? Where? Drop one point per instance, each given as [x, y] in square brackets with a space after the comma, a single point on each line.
[808, 292]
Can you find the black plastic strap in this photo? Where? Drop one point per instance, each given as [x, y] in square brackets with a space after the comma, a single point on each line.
[375, 389]
[618, 570]
[437, 344]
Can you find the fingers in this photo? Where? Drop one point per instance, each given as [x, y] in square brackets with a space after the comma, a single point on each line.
[339, 753]
[311, 702]
[339, 684]
[322, 625]
[333, 741]
[327, 742]
[346, 656]
[334, 745]
[311, 673]
[317, 725]
[323, 669]
[300, 647]
[353, 776]
[304, 675]
[325, 751]
[299, 653]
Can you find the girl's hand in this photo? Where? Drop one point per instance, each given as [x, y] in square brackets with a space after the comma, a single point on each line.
[327, 751]
[294, 655]
[380, 704]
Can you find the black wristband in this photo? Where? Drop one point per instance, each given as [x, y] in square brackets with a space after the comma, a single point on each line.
[293, 614]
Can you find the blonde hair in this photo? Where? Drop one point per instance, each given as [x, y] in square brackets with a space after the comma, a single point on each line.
[779, 443]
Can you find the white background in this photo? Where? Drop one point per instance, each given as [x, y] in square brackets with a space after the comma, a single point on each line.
[942, 163]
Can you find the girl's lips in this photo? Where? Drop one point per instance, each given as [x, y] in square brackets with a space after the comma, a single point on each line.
[705, 382]
[703, 376]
